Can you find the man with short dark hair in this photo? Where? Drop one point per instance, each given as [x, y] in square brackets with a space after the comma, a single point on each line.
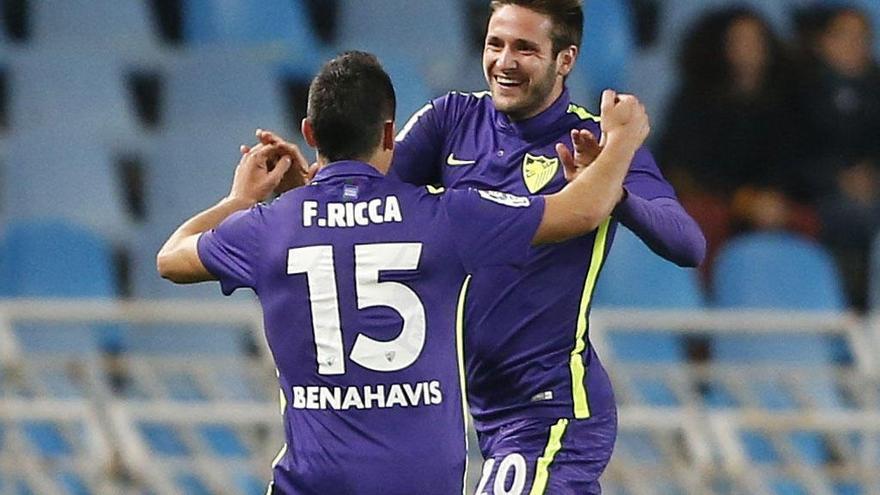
[362, 280]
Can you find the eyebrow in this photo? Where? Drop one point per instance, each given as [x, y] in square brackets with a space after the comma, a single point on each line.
[519, 43]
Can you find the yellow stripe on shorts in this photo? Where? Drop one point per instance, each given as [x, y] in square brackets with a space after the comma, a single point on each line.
[542, 469]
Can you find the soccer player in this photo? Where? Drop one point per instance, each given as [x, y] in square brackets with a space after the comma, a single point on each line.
[542, 402]
[362, 280]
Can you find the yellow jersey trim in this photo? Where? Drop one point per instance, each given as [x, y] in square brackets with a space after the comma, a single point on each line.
[459, 351]
[542, 469]
[579, 390]
[582, 113]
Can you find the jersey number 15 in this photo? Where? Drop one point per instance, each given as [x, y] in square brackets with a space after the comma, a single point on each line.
[393, 355]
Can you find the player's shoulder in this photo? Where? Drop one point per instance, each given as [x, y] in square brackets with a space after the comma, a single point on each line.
[458, 102]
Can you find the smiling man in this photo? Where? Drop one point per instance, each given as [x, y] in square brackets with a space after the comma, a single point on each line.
[542, 402]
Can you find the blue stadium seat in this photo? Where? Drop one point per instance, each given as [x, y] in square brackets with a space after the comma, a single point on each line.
[410, 87]
[69, 90]
[94, 24]
[249, 484]
[191, 484]
[246, 23]
[46, 439]
[73, 483]
[776, 271]
[223, 441]
[163, 439]
[609, 44]
[213, 104]
[432, 39]
[635, 277]
[54, 258]
[76, 179]
[206, 93]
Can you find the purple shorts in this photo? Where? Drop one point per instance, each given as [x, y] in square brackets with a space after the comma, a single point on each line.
[547, 456]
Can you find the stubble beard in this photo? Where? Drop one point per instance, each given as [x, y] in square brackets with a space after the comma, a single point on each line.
[532, 101]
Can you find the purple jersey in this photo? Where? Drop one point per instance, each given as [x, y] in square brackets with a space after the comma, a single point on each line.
[527, 328]
[362, 280]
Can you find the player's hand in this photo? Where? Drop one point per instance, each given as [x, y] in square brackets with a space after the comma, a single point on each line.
[300, 173]
[624, 120]
[256, 176]
[586, 150]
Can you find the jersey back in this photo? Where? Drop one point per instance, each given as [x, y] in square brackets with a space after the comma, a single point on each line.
[362, 281]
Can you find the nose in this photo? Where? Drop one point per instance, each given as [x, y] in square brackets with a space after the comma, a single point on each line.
[507, 59]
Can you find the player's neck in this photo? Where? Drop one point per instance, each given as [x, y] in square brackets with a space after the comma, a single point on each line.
[380, 160]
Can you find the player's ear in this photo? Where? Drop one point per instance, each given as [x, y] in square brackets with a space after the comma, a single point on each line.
[308, 132]
[565, 60]
[388, 135]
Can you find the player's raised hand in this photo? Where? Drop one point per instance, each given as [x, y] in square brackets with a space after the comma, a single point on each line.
[624, 119]
[586, 149]
[259, 172]
[300, 172]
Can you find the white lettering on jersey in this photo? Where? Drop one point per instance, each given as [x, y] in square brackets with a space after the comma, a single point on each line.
[398, 395]
[505, 199]
[357, 214]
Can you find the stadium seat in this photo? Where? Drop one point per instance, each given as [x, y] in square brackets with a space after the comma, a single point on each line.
[207, 93]
[163, 439]
[191, 484]
[46, 439]
[107, 25]
[69, 90]
[75, 179]
[223, 441]
[609, 45]
[54, 258]
[433, 39]
[213, 105]
[776, 271]
[635, 277]
[410, 87]
[248, 23]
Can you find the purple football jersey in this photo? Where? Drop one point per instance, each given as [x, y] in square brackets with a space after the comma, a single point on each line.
[526, 328]
[362, 282]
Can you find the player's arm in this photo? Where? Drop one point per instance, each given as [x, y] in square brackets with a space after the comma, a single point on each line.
[178, 260]
[591, 196]
[664, 226]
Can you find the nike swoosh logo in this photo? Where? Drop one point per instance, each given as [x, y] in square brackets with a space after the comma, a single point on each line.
[454, 162]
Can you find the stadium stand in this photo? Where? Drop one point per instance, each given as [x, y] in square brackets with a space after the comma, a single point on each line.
[630, 279]
[174, 392]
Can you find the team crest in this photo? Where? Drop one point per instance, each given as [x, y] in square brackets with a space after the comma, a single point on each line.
[538, 171]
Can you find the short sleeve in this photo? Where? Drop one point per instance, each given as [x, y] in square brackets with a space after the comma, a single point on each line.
[230, 251]
[492, 228]
[644, 178]
[418, 144]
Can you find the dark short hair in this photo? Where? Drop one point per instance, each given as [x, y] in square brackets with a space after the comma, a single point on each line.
[567, 17]
[349, 101]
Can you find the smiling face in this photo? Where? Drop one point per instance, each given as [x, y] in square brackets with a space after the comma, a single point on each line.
[524, 75]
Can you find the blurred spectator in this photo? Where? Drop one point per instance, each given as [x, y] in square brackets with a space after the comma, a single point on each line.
[840, 96]
[730, 146]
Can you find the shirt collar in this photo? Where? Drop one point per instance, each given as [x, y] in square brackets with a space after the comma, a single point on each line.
[538, 124]
[346, 168]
